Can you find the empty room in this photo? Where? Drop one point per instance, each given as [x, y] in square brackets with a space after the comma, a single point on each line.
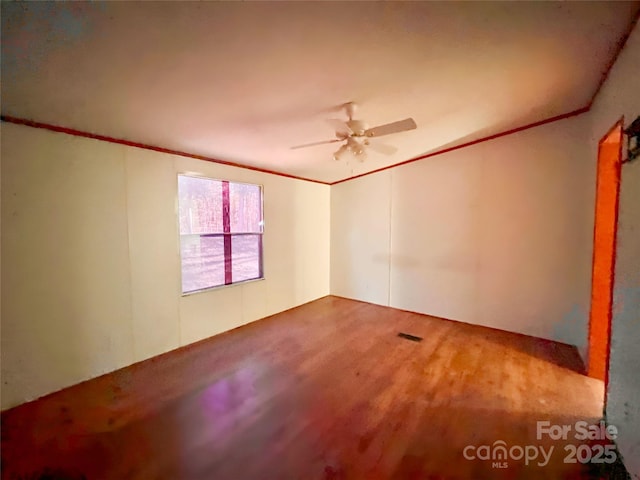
[320, 240]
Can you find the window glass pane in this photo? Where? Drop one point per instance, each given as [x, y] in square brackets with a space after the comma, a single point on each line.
[245, 208]
[200, 205]
[202, 262]
[205, 207]
[245, 254]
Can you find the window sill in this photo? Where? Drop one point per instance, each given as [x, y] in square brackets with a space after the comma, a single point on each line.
[219, 287]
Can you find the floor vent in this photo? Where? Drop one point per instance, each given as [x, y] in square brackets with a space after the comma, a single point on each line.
[413, 338]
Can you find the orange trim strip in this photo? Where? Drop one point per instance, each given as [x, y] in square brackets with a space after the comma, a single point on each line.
[595, 365]
[104, 138]
[474, 142]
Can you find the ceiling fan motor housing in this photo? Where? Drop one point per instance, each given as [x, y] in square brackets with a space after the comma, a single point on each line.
[358, 127]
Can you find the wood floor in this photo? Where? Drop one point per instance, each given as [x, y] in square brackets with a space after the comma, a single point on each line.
[324, 391]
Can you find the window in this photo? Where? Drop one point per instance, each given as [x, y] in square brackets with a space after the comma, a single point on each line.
[220, 232]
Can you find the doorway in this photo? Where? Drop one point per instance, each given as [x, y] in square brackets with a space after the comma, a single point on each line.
[604, 251]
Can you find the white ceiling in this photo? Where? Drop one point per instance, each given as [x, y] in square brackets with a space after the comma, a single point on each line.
[244, 81]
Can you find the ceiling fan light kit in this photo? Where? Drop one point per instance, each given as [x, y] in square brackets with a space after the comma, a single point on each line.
[356, 133]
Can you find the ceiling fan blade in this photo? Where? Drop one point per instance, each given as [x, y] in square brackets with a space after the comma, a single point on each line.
[316, 143]
[341, 128]
[383, 148]
[389, 128]
[340, 152]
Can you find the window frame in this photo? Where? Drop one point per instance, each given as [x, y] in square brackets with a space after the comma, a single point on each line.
[230, 235]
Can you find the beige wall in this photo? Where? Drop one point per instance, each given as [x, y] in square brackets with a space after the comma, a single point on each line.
[620, 96]
[497, 234]
[360, 232]
[91, 266]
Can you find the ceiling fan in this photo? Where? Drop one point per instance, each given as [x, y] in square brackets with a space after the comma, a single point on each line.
[356, 134]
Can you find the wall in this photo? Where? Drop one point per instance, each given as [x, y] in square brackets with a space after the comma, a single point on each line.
[619, 96]
[360, 235]
[496, 234]
[91, 266]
